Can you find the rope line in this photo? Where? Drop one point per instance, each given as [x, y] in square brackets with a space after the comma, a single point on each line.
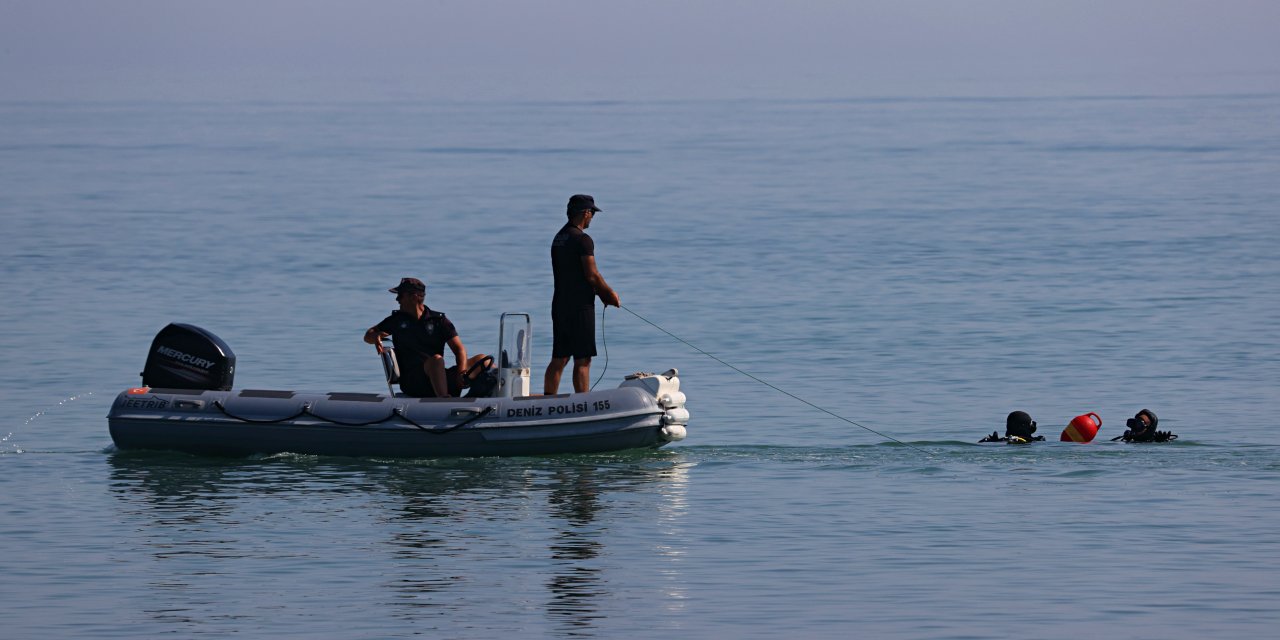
[771, 386]
[487, 410]
[307, 408]
[605, 340]
[395, 413]
[218, 403]
[304, 411]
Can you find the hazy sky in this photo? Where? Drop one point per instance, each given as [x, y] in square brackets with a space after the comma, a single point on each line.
[571, 49]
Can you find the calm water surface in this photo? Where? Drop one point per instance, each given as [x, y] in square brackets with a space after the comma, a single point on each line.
[921, 267]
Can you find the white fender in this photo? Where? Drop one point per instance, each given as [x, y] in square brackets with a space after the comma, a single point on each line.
[673, 432]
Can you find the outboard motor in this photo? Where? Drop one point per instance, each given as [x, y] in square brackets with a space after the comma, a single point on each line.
[184, 356]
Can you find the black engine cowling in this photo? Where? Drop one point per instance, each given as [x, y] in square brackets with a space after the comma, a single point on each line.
[184, 356]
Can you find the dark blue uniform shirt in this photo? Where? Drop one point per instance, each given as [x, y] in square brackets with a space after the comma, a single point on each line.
[417, 340]
[567, 250]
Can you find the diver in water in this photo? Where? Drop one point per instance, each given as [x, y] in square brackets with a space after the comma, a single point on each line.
[1142, 428]
[1018, 429]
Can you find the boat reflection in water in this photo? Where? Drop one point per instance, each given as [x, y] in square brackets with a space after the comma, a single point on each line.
[456, 545]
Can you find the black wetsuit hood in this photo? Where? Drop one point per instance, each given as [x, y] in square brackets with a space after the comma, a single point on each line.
[1139, 432]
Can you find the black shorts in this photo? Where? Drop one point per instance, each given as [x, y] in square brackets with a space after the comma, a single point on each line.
[415, 383]
[573, 332]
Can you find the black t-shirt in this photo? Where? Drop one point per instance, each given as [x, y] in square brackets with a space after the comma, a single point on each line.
[416, 340]
[567, 250]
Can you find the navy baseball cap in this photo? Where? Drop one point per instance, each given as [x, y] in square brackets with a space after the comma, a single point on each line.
[582, 201]
[408, 285]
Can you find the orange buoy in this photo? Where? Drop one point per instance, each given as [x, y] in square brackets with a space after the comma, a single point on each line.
[1082, 428]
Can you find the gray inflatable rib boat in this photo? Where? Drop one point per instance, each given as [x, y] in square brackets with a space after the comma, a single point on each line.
[187, 404]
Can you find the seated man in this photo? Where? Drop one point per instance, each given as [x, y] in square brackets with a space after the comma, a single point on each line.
[420, 335]
[1018, 429]
[1142, 428]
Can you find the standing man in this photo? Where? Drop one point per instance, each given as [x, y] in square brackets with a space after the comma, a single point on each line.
[420, 335]
[573, 307]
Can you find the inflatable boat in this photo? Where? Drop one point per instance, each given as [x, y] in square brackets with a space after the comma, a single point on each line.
[186, 403]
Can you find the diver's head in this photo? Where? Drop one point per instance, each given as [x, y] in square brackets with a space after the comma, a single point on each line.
[1020, 424]
[1142, 422]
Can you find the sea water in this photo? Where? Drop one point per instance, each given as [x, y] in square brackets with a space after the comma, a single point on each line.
[917, 267]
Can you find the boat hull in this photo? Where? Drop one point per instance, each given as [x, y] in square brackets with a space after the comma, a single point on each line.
[240, 423]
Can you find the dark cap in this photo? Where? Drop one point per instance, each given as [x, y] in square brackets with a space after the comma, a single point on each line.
[408, 285]
[582, 201]
[1019, 423]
